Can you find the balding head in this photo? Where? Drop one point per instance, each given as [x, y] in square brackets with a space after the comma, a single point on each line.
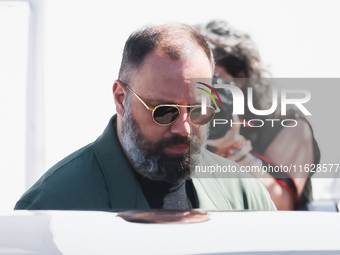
[176, 41]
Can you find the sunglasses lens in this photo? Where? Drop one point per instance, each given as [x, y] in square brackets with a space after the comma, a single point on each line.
[165, 115]
[196, 116]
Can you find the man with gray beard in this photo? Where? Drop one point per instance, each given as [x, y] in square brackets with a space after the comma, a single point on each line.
[147, 155]
[150, 161]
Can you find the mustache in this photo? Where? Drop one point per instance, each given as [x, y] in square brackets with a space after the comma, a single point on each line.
[174, 140]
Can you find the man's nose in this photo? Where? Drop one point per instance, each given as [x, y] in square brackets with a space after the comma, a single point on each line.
[181, 125]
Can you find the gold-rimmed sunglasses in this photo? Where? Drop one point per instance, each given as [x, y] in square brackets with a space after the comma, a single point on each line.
[165, 114]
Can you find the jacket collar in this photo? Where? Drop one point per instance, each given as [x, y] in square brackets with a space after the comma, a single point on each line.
[124, 190]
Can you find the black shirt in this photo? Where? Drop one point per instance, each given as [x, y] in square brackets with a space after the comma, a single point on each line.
[163, 195]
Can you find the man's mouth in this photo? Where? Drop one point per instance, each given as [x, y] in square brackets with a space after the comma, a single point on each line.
[177, 149]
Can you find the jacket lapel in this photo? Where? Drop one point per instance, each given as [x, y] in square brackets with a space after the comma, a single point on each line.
[124, 189]
[209, 195]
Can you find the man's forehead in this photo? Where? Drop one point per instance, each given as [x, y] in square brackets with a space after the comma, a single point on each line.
[158, 64]
[176, 48]
[167, 79]
[185, 94]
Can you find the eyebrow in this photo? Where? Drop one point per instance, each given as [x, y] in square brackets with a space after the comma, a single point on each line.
[156, 102]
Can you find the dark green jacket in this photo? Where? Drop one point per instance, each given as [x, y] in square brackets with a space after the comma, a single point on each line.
[99, 177]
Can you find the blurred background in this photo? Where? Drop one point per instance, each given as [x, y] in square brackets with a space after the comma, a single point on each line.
[59, 59]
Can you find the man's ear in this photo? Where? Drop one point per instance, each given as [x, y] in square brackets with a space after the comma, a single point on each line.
[119, 95]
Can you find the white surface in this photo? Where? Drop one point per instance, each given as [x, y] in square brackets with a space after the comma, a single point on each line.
[13, 70]
[227, 232]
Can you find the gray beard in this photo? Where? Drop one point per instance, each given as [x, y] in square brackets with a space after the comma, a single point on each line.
[149, 159]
